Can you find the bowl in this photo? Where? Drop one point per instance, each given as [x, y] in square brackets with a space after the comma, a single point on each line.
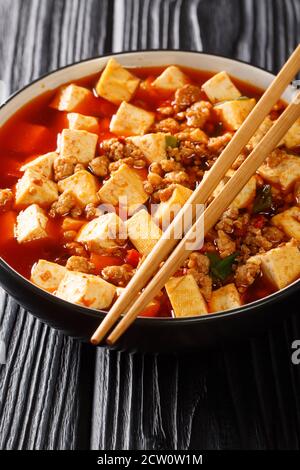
[147, 334]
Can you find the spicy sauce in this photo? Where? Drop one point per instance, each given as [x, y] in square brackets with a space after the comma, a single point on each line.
[33, 130]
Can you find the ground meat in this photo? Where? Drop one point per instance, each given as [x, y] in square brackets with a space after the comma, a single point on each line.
[168, 125]
[63, 205]
[99, 166]
[118, 275]
[180, 177]
[166, 110]
[63, 167]
[225, 244]
[198, 114]
[6, 199]
[79, 263]
[273, 235]
[255, 241]
[165, 194]
[90, 211]
[226, 223]
[116, 150]
[76, 249]
[156, 167]
[217, 144]
[170, 165]
[246, 274]
[198, 265]
[186, 96]
[155, 180]
[188, 152]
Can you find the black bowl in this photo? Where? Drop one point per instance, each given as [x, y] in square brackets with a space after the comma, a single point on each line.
[146, 334]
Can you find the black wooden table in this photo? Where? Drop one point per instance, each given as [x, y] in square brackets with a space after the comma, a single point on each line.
[59, 394]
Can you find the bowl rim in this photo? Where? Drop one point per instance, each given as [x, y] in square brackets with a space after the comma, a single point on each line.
[155, 321]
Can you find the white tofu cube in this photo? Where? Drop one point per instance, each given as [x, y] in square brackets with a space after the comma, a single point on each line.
[82, 185]
[131, 120]
[102, 232]
[143, 232]
[86, 289]
[225, 298]
[260, 133]
[69, 97]
[286, 173]
[281, 266]
[171, 79]
[246, 196]
[116, 84]
[47, 275]
[233, 113]
[153, 146]
[185, 297]
[124, 183]
[42, 164]
[31, 224]
[81, 122]
[167, 210]
[292, 137]
[289, 222]
[34, 188]
[220, 88]
[78, 144]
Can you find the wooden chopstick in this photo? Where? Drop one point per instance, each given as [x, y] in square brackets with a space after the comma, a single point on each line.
[211, 215]
[166, 244]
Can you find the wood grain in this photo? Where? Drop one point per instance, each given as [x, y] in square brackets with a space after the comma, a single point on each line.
[51, 393]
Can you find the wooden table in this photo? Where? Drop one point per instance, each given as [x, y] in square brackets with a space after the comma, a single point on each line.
[59, 394]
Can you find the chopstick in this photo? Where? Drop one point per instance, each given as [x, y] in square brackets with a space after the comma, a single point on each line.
[166, 244]
[211, 215]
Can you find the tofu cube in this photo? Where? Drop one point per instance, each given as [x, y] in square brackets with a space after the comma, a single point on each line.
[47, 275]
[34, 188]
[69, 97]
[86, 289]
[116, 84]
[78, 144]
[185, 297]
[220, 88]
[81, 122]
[153, 146]
[286, 173]
[260, 133]
[225, 298]
[124, 183]
[131, 120]
[292, 137]
[31, 224]
[82, 185]
[171, 79]
[102, 232]
[167, 210]
[246, 196]
[281, 266]
[143, 232]
[289, 222]
[233, 113]
[42, 164]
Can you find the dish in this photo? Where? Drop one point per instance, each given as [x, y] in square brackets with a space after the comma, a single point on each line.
[117, 170]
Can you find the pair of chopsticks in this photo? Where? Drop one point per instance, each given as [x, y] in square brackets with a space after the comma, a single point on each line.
[130, 302]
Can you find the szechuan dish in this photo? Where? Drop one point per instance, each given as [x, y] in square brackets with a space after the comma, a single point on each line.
[149, 135]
